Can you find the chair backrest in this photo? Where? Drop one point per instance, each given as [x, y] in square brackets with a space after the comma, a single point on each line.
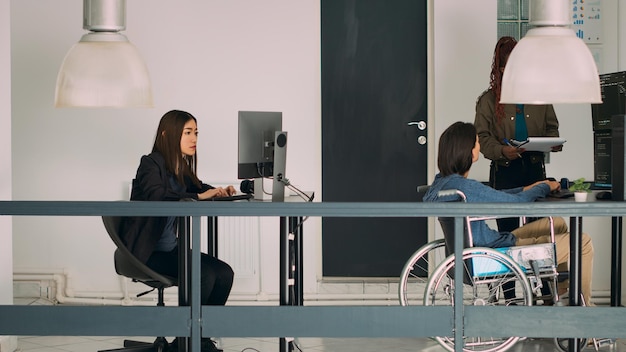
[447, 225]
[449, 234]
[126, 264]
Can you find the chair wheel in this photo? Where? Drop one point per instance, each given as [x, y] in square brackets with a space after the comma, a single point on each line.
[161, 345]
[414, 276]
[478, 288]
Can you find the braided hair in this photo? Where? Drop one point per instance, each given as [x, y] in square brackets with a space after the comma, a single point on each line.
[503, 49]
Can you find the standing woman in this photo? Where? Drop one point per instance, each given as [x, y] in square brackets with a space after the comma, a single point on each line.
[496, 123]
[169, 174]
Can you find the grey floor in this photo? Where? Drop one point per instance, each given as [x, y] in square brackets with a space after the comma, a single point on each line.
[97, 343]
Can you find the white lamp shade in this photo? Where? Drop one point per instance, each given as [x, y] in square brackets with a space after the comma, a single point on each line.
[103, 70]
[550, 65]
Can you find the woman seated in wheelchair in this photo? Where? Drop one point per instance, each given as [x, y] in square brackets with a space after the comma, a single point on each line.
[458, 150]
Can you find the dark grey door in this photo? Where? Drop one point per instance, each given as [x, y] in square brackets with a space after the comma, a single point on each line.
[374, 83]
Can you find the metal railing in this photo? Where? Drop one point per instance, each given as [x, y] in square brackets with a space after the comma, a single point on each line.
[308, 321]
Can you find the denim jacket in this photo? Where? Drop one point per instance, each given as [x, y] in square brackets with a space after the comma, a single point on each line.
[477, 192]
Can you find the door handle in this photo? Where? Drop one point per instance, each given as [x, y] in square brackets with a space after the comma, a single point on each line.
[421, 125]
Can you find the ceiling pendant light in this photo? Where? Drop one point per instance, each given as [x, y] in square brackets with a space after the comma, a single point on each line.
[550, 64]
[103, 69]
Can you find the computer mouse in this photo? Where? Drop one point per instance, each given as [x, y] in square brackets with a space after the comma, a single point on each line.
[604, 195]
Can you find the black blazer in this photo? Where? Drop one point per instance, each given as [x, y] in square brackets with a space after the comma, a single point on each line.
[152, 183]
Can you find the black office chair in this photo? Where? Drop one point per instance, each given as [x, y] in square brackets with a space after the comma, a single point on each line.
[126, 264]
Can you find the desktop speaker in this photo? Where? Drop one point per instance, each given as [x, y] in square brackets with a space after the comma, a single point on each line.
[280, 160]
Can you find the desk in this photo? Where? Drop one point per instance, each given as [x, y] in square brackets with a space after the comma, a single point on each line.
[291, 289]
[616, 247]
[575, 255]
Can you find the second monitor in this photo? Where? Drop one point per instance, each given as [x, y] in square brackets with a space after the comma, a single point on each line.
[262, 152]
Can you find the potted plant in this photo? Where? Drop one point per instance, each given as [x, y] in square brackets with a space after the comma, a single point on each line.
[580, 189]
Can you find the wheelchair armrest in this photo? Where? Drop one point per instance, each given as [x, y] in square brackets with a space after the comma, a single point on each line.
[451, 193]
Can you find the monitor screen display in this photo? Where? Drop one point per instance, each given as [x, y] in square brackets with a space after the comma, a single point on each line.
[256, 143]
[613, 88]
[602, 159]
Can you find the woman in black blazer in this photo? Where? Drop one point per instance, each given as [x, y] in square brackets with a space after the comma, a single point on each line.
[169, 174]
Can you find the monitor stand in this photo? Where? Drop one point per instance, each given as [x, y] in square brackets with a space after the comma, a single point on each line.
[259, 190]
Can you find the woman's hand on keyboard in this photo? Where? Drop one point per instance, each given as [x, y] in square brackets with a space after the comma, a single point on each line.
[217, 192]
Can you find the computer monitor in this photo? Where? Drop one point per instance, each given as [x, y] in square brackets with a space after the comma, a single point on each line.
[262, 151]
[605, 118]
[602, 159]
[613, 90]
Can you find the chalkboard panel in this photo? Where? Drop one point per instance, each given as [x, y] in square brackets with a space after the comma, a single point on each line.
[374, 82]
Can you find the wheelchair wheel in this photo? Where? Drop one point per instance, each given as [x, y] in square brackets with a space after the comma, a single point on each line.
[415, 273]
[563, 343]
[486, 271]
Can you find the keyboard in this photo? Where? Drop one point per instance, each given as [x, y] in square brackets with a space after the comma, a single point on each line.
[232, 198]
[564, 193]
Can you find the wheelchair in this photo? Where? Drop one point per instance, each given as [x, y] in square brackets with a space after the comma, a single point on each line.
[492, 277]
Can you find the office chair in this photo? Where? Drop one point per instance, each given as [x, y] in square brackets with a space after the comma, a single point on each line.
[127, 265]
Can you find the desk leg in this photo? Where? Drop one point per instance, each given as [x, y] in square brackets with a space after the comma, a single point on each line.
[290, 270]
[212, 236]
[184, 230]
[284, 263]
[295, 225]
[284, 298]
[189, 286]
[616, 261]
[194, 285]
[575, 258]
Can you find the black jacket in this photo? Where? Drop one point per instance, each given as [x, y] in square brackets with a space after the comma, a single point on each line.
[152, 183]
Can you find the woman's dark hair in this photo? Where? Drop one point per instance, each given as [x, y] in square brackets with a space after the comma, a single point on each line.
[455, 149]
[167, 142]
[503, 49]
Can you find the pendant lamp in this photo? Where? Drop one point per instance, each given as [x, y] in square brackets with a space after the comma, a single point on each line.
[103, 69]
[550, 64]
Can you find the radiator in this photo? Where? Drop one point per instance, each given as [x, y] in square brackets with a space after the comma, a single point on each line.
[237, 244]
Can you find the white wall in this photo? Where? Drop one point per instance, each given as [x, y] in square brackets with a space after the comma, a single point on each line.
[6, 241]
[463, 46]
[7, 343]
[213, 58]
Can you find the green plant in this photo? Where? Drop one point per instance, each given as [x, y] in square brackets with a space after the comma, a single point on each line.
[579, 185]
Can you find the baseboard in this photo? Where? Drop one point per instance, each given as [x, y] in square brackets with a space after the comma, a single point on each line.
[8, 343]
